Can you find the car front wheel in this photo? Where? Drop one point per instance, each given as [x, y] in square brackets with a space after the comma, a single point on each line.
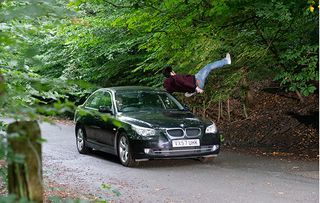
[80, 141]
[124, 151]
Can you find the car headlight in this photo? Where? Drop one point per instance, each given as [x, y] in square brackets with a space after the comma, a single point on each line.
[211, 128]
[144, 131]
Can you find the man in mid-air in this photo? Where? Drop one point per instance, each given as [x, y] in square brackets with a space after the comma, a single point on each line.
[191, 84]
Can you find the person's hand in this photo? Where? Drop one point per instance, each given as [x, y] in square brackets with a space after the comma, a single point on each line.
[199, 90]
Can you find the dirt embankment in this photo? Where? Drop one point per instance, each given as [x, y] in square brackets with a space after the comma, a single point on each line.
[277, 123]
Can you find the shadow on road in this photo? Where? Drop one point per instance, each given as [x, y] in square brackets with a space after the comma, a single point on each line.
[159, 163]
[227, 160]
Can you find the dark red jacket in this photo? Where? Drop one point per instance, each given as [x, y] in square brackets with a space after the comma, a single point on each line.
[180, 83]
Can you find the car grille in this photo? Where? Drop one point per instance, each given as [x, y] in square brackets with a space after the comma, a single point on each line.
[179, 132]
[193, 132]
[175, 132]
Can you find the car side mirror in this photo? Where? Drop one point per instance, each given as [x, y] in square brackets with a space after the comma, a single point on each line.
[186, 108]
[105, 109]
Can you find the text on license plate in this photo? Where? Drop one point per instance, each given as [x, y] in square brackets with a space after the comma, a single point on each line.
[186, 143]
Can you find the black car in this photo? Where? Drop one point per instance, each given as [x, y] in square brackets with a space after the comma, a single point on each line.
[142, 123]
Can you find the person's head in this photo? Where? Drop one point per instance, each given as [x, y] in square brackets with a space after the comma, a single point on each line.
[167, 71]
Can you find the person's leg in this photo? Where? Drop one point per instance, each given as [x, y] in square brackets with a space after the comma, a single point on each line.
[204, 72]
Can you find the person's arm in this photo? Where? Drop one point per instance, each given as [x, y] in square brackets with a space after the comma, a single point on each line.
[199, 90]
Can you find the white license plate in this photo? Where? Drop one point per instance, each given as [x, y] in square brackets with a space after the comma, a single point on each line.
[186, 143]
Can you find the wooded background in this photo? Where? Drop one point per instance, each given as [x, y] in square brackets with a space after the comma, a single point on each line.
[54, 53]
[53, 50]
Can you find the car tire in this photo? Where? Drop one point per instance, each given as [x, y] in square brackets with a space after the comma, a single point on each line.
[81, 142]
[206, 159]
[124, 151]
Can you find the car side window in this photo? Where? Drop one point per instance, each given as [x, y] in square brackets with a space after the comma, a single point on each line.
[99, 99]
[105, 100]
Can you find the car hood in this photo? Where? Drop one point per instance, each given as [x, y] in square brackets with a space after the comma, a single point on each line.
[168, 119]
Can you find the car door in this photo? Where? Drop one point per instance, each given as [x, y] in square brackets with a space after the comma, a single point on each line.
[106, 129]
[91, 117]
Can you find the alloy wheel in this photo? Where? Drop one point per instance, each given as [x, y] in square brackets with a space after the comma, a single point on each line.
[123, 149]
[80, 141]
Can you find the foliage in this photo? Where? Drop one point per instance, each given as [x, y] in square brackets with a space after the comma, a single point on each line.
[59, 200]
[128, 42]
[49, 54]
[12, 199]
[110, 188]
[3, 150]
[114, 43]
[28, 93]
[300, 70]
[25, 94]
[292, 44]
[86, 47]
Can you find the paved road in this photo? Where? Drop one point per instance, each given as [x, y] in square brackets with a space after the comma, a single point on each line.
[232, 177]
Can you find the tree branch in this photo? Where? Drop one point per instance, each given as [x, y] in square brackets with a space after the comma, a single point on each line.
[118, 6]
[270, 44]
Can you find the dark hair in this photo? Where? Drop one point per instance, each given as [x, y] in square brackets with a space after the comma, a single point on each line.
[166, 71]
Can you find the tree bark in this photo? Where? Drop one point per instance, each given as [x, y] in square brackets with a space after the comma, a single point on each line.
[300, 96]
[219, 110]
[248, 94]
[2, 85]
[25, 161]
[229, 115]
[245, 111]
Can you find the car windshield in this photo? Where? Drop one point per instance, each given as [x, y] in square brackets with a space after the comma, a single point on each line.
[146, 101]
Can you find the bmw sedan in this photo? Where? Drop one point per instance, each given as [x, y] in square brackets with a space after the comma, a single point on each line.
[142, 123]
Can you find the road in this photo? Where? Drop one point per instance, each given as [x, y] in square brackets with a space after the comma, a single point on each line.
[231, 177]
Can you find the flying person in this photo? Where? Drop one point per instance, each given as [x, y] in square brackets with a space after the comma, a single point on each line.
[191, 84]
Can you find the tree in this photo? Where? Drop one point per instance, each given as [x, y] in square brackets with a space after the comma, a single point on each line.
[133, 40]
[22, 93]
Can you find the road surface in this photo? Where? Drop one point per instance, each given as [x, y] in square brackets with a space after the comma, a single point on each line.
[231, 177]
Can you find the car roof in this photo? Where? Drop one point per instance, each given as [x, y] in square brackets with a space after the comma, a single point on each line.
[131, 88]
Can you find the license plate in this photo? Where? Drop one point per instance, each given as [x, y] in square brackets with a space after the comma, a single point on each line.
[186, 143]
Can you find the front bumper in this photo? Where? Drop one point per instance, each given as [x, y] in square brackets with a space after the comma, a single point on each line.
[161, 148]
[179, 152]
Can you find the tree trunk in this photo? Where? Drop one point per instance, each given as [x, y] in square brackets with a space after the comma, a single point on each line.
[245, 111]
[249, 97]
[204, 109]
[300, 96]
[229, 115]
[25, 167]
[2, 85]
[219, 110]
[248, 94]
